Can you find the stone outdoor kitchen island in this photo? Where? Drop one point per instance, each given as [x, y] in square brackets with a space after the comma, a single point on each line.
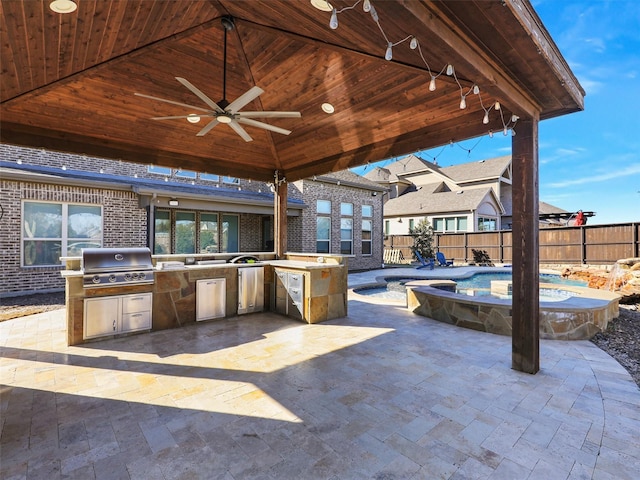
[171, 300]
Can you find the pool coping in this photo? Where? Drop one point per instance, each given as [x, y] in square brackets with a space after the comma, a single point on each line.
[577, 317]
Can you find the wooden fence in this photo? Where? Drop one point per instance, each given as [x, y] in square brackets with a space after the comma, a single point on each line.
[587, 244]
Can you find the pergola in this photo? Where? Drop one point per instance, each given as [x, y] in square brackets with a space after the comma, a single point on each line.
[68, 84]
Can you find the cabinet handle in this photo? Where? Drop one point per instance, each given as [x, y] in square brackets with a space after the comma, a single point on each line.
[136, 315]
[136, 298]
[114, 325]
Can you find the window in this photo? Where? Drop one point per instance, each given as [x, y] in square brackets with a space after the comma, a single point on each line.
[162, 232]
[323, 206]
[366, 237]
[208, 233]
[159, 170]
[387, 227]
[346, 209]
[411, 224]
[346, 229]
[346, 236]
[323, 226]
[185, 173]
[231, 180]
[450, 224]
[180, 232]
[230, 233]
[52, 230]
[367, 228]
[209, 177]
[486, 224]
[185, 232]
[323, 234]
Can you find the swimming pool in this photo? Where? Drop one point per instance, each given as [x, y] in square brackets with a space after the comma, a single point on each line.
[478, 284]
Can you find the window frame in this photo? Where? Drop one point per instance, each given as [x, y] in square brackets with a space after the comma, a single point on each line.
[64, 240]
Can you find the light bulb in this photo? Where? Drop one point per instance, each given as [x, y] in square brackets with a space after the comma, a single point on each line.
[463, 103]
[388, 55]
[476, 90]
[497, 106]
[513, 132]
[366, 6]
[374, 14]
[485, 120]
[432, 84]
[514, 118]
[414, 43]
[490, 133]
[449, 69]
[504, 131]
[333, 23]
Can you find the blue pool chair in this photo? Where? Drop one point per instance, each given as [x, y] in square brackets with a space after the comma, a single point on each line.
[430, 264]
[442, 261]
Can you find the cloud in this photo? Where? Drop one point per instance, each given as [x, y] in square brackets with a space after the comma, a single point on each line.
[633, 169]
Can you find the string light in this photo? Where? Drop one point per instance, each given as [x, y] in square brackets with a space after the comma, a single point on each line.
[414, 44]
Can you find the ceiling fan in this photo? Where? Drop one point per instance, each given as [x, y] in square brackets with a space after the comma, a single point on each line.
[223, 111]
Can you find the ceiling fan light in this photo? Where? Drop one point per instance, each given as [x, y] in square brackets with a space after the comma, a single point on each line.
[322, 5]
[63, 6]
[193, 118]
[224, 119]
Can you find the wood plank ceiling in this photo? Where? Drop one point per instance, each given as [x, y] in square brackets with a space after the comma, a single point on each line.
[68, 81]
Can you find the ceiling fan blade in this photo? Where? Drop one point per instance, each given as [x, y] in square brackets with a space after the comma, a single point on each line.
[207, 127]
[266, 126]
[182, 116]
[240, 131]
[245, 98]
[269, 114]
[199, 94]
[172, 102]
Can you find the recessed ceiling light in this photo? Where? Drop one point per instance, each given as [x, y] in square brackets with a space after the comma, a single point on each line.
[63, 6]
[327, 108]
[193, 118]
[322, 5]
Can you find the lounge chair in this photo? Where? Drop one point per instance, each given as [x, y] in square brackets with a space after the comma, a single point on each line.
[442, 261]
[430, 264]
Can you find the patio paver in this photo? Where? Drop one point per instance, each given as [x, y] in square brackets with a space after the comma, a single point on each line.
[380, 394]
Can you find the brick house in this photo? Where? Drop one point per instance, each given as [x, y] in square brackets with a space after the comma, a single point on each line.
[54, 204]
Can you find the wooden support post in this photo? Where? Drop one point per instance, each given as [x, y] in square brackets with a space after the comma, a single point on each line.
[525, 339]
[280, 218]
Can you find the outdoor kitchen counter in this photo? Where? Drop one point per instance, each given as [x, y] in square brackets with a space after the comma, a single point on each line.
[174, 290]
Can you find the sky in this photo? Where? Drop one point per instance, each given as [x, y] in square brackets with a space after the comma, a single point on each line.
[588, 160]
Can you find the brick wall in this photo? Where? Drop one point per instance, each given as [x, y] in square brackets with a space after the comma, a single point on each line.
[124, 224]
[337, 194]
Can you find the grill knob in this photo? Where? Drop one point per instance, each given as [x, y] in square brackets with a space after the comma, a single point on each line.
[142, 275]
[96, 279]
[127, 277]
[112, 278]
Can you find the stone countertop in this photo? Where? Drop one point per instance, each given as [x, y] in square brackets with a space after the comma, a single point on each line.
[294, 264]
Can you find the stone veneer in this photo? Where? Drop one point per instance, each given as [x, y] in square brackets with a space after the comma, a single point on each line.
[174, 291]
[577, 318]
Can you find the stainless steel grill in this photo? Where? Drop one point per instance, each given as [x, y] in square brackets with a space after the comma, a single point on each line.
[105, 267]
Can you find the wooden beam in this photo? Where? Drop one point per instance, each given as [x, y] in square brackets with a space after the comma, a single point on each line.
[525, 339]
[475, 60]
[280, 218]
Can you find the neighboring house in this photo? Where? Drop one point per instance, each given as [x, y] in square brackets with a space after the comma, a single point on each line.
[54, 204]
[469, 197]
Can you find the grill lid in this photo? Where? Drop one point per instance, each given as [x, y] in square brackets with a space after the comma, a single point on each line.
[95, 260]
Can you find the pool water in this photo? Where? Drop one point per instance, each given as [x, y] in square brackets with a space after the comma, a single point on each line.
[478, 284]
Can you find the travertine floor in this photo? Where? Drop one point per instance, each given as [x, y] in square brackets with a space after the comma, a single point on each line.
[380, 394]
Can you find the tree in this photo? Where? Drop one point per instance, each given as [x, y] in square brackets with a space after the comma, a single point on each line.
[422, 235]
